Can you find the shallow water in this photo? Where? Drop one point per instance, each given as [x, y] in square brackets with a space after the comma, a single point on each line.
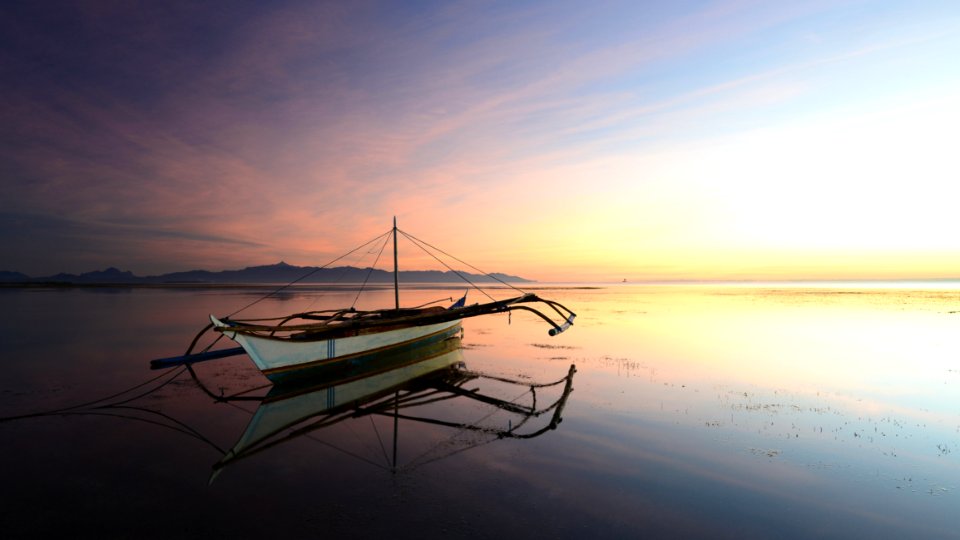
[697, 411]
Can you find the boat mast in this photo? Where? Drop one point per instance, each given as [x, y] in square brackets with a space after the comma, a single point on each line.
[396, 280]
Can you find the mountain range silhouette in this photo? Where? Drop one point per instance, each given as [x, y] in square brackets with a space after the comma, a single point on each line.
[273, 273]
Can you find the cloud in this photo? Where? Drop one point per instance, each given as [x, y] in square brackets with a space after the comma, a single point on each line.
[292, 130]
[71, 245]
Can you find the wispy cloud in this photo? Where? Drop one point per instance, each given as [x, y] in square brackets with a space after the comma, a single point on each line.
[291, 130]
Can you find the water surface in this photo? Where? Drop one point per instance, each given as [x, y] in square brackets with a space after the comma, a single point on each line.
[701, 411]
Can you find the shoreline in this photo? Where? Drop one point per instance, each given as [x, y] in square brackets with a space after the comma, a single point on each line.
[272, 286]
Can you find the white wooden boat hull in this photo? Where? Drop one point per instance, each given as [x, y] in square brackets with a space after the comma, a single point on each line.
[276, 358]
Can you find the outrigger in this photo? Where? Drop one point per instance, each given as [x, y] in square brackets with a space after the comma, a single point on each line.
[300, 343]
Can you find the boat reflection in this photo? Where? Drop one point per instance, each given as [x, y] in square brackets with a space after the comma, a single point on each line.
[405, 389]
[404, 386]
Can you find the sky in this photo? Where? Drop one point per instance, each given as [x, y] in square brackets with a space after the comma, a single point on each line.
[558, 141]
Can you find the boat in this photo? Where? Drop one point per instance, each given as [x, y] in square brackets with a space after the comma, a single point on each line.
[297, 345]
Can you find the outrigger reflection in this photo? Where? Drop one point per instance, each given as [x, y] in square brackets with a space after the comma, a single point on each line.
[406, 384]
[297, 344]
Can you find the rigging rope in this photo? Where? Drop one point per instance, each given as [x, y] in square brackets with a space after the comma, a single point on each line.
[491, 276]
[310, 273]
[369, 272]
[463, 277]
[344, 451]
[96, 401]
[379, 439]
[423, 245]
[98, 408]
[340, 276]
[186, 430]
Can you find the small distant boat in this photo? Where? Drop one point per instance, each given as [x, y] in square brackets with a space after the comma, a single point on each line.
[296, 344]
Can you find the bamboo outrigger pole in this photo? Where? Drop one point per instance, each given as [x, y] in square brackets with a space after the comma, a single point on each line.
[396, 280]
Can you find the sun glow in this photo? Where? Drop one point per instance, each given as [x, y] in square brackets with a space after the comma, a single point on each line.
[869, 195]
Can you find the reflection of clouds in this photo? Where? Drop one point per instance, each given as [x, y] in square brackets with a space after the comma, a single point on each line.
[842, 388]
[706, 447]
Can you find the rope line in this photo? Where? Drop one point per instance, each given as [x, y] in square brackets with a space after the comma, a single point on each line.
[379, 439]
[188, 432]
[423, 245]
[463, 277]
[339, 278]
[491, 276]
[370, 272]
[96, 401]
[345, 451]
[310, 273]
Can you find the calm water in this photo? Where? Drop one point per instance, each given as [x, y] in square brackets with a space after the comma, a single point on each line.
[696, 411]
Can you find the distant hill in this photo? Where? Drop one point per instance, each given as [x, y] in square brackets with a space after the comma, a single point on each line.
[12, 277]
[274, 273]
